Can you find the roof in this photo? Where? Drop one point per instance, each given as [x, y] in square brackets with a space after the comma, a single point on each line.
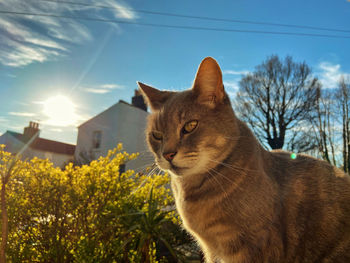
[45, 144]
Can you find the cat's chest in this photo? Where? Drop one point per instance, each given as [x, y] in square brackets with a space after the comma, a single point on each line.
[196, 215]
[190, 212]
[208, 224]
[193, 217]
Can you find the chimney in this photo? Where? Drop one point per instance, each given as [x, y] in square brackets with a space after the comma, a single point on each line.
[31, 130]
[138, 101]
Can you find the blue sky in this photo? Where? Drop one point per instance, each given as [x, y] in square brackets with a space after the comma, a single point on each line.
[94, 64]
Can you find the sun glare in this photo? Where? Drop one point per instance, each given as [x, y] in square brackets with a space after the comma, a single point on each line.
[60, 110]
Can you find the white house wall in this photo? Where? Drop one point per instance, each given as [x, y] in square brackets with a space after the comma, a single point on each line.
[131, 132]
[120, 123]
[106, 122]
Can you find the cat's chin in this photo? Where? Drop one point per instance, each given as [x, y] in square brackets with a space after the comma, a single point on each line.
[182, 171]
[178, 171]
[173, 169]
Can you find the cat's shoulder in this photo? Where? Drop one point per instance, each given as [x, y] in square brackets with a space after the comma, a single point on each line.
[305, 166]
[291, 159]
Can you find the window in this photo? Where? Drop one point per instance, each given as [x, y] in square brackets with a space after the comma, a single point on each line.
[96, 139]
[121, 168]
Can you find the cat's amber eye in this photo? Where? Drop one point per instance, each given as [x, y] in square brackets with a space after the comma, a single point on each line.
[189, 126]
[157, 135]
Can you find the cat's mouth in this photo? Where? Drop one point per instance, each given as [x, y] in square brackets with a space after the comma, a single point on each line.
[178, 170]
[175, 169]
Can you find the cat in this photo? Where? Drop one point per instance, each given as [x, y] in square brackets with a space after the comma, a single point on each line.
[241, 202]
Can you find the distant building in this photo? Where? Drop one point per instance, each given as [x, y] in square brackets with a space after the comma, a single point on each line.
[122, 122]
[29, 145]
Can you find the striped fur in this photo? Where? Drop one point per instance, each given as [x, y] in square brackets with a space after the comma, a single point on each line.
[239, 201]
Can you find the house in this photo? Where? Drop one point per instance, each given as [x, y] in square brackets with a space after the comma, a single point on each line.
[29, 145]
[121, 123]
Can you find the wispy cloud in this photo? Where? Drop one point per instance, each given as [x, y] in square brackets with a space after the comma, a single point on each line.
[103, 89]
[97, 91]
[120, 9]
[330, 74]
[28, 39]
[37, 102]
[235, 72]
[232, 79]
[111, 86]
[11, 76]
[22, 114]
[231, 87]
[21, 103]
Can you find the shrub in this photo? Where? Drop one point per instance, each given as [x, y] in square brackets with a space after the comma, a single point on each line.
[90, 213]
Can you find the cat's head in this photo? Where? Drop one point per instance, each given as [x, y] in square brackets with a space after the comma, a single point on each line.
[190, 132]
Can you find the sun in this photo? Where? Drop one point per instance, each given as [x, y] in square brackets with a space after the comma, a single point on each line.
[60, 110]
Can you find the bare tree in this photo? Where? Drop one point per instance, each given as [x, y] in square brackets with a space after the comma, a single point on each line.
[343, 95]
[276, 98]
[300, 139]
[323, 125]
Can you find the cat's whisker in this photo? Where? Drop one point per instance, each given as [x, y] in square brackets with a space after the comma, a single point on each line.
[143, 182]
[160, 171]
[139, 187]
[154, 167]
[213, 176]
[156, 170]
[144, 167]
[222, 175]
[234, 167]
[237, 169]
[221, 186]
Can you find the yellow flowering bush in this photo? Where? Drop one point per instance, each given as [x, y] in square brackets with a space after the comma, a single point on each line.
[90, 213]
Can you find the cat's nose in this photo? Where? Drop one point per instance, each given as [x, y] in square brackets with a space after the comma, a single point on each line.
[169, 156]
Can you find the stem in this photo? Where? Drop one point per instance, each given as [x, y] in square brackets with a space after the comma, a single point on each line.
[4, 227]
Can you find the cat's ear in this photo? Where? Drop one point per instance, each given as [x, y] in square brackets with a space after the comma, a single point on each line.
[154, 98]
[208, 85]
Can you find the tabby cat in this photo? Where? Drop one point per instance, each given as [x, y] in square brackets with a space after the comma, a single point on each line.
[239, 201]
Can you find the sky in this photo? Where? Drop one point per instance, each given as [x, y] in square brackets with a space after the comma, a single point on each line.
[60, 70]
